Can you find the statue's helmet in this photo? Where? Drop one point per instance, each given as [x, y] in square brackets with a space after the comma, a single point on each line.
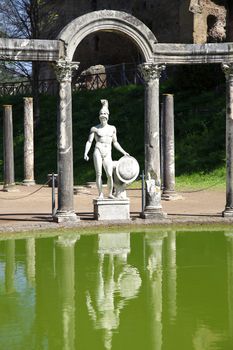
[104, 111]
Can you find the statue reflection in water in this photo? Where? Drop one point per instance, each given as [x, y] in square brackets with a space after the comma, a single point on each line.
[114, 275]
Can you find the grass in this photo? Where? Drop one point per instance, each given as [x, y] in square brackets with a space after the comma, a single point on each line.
[199, 130]
[196, 181]
[215, 180]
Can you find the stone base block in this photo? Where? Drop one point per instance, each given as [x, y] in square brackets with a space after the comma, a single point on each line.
[28, 182]
[153, 213]
[10, 188]
[65, 216]
[111, 209]
[228, 213]
[171, 196]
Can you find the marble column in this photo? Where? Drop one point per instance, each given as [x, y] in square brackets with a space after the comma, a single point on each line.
[65, 272]
[154, 248]
[168, 150]
[31, 260]
[28, 142]
[8, 148]
[171, 275]
[151, 73]
[228, 70]
[65, 211]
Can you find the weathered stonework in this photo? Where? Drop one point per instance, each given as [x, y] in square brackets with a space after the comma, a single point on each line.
[228, 70]
[111, 209]
[90, 77]
[8, 149]
[31, 50]
[64, 70]
[209, 21]
[168, 148]
[28, 142]
[193, 53]
[151, 74]
[65, 210]
[106, 20]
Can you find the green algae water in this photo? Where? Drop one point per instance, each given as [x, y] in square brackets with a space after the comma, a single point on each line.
[122, 291]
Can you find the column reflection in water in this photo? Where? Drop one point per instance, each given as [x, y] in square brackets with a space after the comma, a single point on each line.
[114, 275]
[31, 260]
[229, 237]
[65, 270]
[171, 276]
[10, 266]
[154, 252]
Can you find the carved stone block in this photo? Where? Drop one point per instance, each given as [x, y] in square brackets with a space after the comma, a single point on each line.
[111, 209]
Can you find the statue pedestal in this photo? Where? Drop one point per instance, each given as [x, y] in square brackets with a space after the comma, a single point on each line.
[111, 209]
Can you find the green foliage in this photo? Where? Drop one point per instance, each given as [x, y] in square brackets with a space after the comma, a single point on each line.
[199, 131]
[215, 179]
[194, 78]
[126, 113]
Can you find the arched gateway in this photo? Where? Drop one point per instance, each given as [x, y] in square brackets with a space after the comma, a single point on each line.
[113, 21]
[145, 40]
[155, 57]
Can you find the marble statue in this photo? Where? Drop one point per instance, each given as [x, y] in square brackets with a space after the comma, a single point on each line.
[105, 135]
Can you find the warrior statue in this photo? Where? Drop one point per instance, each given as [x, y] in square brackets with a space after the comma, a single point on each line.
[105, 135]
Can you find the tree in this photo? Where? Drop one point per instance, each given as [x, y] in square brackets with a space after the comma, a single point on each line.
[27, 19]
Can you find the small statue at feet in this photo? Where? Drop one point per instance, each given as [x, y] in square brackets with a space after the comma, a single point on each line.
[104, 135]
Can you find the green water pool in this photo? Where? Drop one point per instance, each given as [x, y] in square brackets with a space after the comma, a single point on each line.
[162, 290]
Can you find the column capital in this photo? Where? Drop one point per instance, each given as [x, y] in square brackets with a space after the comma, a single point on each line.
[150, 71]
[228, 70]
[64, 69]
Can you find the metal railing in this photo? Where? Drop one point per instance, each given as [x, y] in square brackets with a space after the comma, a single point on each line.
[117, 75]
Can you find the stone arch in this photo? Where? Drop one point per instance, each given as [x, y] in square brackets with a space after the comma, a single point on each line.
[141, 35]
[107, 20]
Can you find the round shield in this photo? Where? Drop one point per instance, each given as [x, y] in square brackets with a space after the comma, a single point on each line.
[127, 169]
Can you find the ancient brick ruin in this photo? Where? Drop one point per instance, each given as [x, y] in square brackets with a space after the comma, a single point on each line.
[210, 20]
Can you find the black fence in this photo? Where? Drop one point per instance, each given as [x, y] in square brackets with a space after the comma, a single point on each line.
[113, 76]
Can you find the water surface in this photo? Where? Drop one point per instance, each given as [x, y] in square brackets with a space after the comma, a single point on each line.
[150, 290]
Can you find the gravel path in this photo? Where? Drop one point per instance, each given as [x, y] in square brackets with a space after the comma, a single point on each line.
[25, 210]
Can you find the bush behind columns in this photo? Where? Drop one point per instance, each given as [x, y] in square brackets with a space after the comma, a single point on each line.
[199, 129]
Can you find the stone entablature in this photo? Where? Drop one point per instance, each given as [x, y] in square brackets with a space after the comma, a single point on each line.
[193, 53]
[31, 50]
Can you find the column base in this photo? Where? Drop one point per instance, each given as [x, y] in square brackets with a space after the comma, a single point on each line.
[10, 188]
[65, 216]
[153, 213]
[28, 182]
[171, 196]
[228, 212]
[111, 209]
